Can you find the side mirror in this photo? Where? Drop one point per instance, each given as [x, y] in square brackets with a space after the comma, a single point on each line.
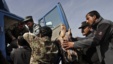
[50, 24]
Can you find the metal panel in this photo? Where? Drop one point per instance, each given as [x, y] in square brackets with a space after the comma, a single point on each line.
[55, 33]
[62, 15]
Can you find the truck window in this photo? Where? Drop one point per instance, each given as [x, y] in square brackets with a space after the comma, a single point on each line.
[53, 18]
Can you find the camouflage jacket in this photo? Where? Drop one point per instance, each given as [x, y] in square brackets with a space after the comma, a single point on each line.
[43, 50]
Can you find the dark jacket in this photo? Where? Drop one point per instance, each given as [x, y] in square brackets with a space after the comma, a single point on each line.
[103, 38]
[21, 55]
[89, 54]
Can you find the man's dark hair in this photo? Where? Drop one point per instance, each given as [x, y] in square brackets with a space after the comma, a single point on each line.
[94, 13]
[22, 41]
[45, 31]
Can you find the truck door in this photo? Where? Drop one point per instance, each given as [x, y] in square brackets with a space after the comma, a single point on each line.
[2, 36]
[6, 20]
[53, 19]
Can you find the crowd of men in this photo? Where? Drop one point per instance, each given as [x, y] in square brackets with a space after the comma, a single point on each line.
[102, 38]
[29, 43]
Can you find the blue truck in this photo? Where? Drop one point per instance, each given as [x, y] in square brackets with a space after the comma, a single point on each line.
[53, 19]
[6, 19]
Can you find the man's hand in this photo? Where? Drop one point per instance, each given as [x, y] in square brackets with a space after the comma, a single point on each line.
[68, 45]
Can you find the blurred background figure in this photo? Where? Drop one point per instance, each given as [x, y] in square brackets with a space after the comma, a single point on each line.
[22, 54]
[12, 33]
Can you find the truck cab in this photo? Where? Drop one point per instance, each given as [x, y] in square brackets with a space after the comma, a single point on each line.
[6, 20]
[54, 18]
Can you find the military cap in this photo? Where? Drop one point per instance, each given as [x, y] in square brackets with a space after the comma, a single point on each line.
[83, 25]
[28, 18]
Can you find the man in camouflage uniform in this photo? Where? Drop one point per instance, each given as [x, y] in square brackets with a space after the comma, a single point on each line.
[33, 28]
[44, 51]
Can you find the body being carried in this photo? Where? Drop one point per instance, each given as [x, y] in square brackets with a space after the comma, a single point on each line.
[69, 55]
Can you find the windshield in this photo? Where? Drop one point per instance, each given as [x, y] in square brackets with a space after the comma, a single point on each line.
[54, 18]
